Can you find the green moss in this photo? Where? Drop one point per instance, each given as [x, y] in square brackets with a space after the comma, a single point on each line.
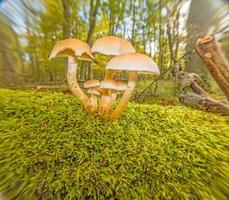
[51, 149]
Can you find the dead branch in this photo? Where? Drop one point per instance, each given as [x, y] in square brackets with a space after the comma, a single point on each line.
[213, 56]
[199, 98]
[203, 102]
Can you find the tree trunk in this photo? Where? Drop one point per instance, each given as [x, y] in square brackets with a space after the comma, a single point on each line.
[66, 25]
[92, 20]
[134, 22]
[67, 18]
[214, 58]
[160, 36]
[199, 21]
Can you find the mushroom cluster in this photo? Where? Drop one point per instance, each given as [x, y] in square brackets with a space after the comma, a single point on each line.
[102, 94]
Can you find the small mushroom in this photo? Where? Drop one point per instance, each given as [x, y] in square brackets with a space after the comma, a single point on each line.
[91, 83]
[114, 86]
[75, 50]
[111, 46]
[94, 91]
[134, 63]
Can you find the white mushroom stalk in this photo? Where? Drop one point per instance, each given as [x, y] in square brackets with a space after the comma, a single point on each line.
[93, 90]
[74, 49]
[113, 86]
[133, 76]
[73, 83]
[105, 99]
[133, 63]
[112, 100]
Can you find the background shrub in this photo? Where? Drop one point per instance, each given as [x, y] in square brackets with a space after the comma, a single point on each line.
[51, 149]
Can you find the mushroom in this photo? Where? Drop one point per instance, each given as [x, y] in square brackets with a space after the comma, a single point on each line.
[114, 86]
[111, 46]
[134, 63]
[75, 50]
[91, 83]
[93, 90]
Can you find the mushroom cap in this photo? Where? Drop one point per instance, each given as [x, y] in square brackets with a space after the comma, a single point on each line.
[113, 84]
[95, 90]
[72, 47]
[91, 83]
[133, 62]
[112, 45]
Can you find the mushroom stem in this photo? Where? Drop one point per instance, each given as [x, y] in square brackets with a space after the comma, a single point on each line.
[105, 99]
[73, 83]
[112, 99]
[93, 100]
[126, 96]
[104, 106]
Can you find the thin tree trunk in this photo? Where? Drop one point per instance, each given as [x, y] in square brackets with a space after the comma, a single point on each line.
[92, 21]
[134, 22]
[66, 25]
[160, 36]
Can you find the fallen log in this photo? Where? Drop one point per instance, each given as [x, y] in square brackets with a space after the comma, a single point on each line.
[213, 56]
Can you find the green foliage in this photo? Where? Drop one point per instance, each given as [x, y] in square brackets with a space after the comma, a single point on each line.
[165, 90]
[51, 149]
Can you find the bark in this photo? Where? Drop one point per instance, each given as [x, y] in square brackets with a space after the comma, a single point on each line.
[213, 56]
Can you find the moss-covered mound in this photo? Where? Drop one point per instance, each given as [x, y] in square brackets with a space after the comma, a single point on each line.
[51, 149]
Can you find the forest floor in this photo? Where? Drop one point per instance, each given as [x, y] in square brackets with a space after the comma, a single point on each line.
[52, 149]
[166, 92]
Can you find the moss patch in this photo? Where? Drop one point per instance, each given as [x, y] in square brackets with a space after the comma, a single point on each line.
[51, 149]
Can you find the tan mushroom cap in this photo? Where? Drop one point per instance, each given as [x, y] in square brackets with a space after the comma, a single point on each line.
[133, 62]
[73, 47]
[91, 83]
[113, 85]
[95, 90]
[112, 45]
